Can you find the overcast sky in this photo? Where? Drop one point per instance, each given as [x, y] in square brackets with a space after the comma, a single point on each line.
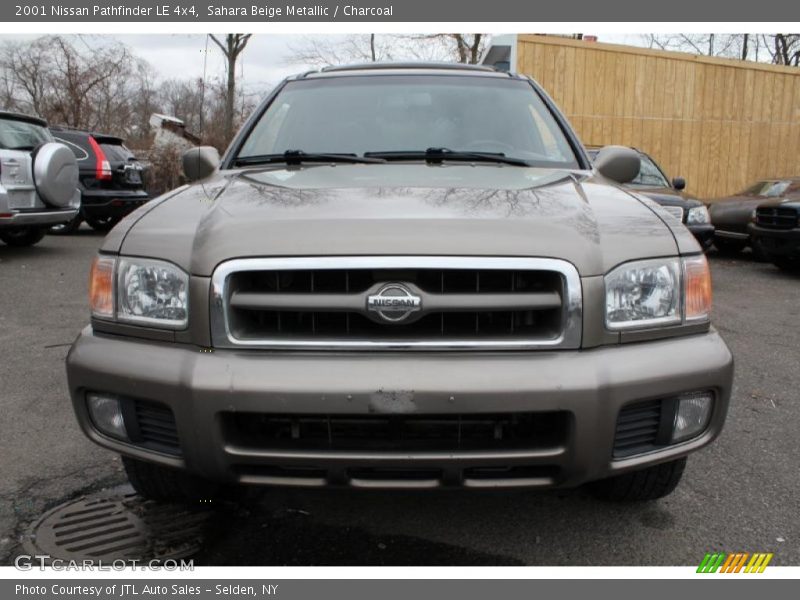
[265, 62]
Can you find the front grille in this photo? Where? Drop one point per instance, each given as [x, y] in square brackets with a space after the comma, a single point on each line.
[776, 217]
[451, 303]
[396, 433]
[639, 428]
[152, 425]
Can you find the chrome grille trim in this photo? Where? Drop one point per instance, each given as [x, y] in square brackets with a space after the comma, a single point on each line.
[572, 302]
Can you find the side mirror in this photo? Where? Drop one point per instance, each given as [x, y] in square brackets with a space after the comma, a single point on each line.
[200, 162]
[678, 183]
[618, 163]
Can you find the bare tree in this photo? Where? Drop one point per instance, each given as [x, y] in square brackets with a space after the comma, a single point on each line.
[233, 45]
[784, 49]
[708, 44]
[72, 84]
[322, 51]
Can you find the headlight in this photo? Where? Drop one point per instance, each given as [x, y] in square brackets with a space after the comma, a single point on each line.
[697, 216]
[141, 291]
[644, 294]
[152, 292]
[651, 293]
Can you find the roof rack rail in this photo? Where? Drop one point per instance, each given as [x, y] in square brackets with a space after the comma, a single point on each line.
[375, 66]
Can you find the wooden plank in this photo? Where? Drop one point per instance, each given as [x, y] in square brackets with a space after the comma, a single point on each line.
[719, 123]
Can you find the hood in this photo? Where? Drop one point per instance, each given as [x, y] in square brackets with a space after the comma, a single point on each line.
[736, 203]
[666, 196]
[733, 213]
[398, 209]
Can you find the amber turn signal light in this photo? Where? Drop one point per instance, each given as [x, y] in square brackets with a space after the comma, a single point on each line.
[101, 287]
[698, 288]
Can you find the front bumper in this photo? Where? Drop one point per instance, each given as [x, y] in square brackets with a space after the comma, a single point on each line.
[776, 243]
[44, 218]
[111, 203]
[591, 386]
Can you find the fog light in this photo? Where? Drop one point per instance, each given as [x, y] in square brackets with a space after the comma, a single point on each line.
[106, 414]
[692, 415]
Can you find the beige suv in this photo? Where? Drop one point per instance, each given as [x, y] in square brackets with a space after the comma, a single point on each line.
[402, 276]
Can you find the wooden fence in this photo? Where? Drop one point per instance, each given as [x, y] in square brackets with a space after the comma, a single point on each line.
[719, 123]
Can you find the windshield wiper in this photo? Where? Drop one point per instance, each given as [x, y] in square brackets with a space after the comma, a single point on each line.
[297, 157]
[437, 155]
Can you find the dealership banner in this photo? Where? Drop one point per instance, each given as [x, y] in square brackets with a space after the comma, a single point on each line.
[437, 11]
[387, 589]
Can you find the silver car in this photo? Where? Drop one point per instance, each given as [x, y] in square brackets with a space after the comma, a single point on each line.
[38, 180]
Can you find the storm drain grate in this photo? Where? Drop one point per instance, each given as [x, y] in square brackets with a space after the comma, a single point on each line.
[117, 526]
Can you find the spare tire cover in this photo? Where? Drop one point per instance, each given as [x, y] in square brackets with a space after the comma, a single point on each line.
[55, 172]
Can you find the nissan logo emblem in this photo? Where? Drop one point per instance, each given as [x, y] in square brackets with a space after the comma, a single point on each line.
[394, 302]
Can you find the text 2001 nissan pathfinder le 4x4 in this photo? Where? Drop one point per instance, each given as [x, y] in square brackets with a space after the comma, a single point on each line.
[404, 276]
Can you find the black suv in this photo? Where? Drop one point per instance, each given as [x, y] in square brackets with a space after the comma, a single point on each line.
[775, 233]
[111, 178]
[654, 183]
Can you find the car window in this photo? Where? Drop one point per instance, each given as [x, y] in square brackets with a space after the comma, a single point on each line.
[649, 173]
[362, 114]
[79, 152]
[116, 152]
[768, 189]
[778, 188]
[22, 135]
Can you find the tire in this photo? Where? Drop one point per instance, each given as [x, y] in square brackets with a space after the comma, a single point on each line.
[20, 237]
[102, 224]
[729, 246]
[651, 483]
[787, 264]
[67, 228]
[155, 482]
[758, 253]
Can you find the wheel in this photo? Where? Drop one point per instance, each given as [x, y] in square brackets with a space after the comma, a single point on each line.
[66, 228]
[102, 224]
[758, 253]
[787, 264]
[22, 236]
[729, 246]
[650, 483]
[167, 485]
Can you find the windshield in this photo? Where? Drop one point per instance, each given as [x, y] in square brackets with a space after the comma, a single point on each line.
[649, 173]
[22, 135]
[354, 115]
[768, 189]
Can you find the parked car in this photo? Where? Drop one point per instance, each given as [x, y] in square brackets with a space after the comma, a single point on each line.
[111, 179]
[731, 215]
[38, 180]
[654, 183]
[775, 232]
[389, 283]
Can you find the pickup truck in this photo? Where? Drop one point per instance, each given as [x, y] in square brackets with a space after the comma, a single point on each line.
[402, 276]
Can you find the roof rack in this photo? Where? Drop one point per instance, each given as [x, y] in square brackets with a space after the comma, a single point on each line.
[376, 66]
[17, 116]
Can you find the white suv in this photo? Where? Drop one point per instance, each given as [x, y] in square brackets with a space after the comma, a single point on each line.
[38, 180]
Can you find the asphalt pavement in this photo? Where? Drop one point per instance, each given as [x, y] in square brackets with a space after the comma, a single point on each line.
[740, 494]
